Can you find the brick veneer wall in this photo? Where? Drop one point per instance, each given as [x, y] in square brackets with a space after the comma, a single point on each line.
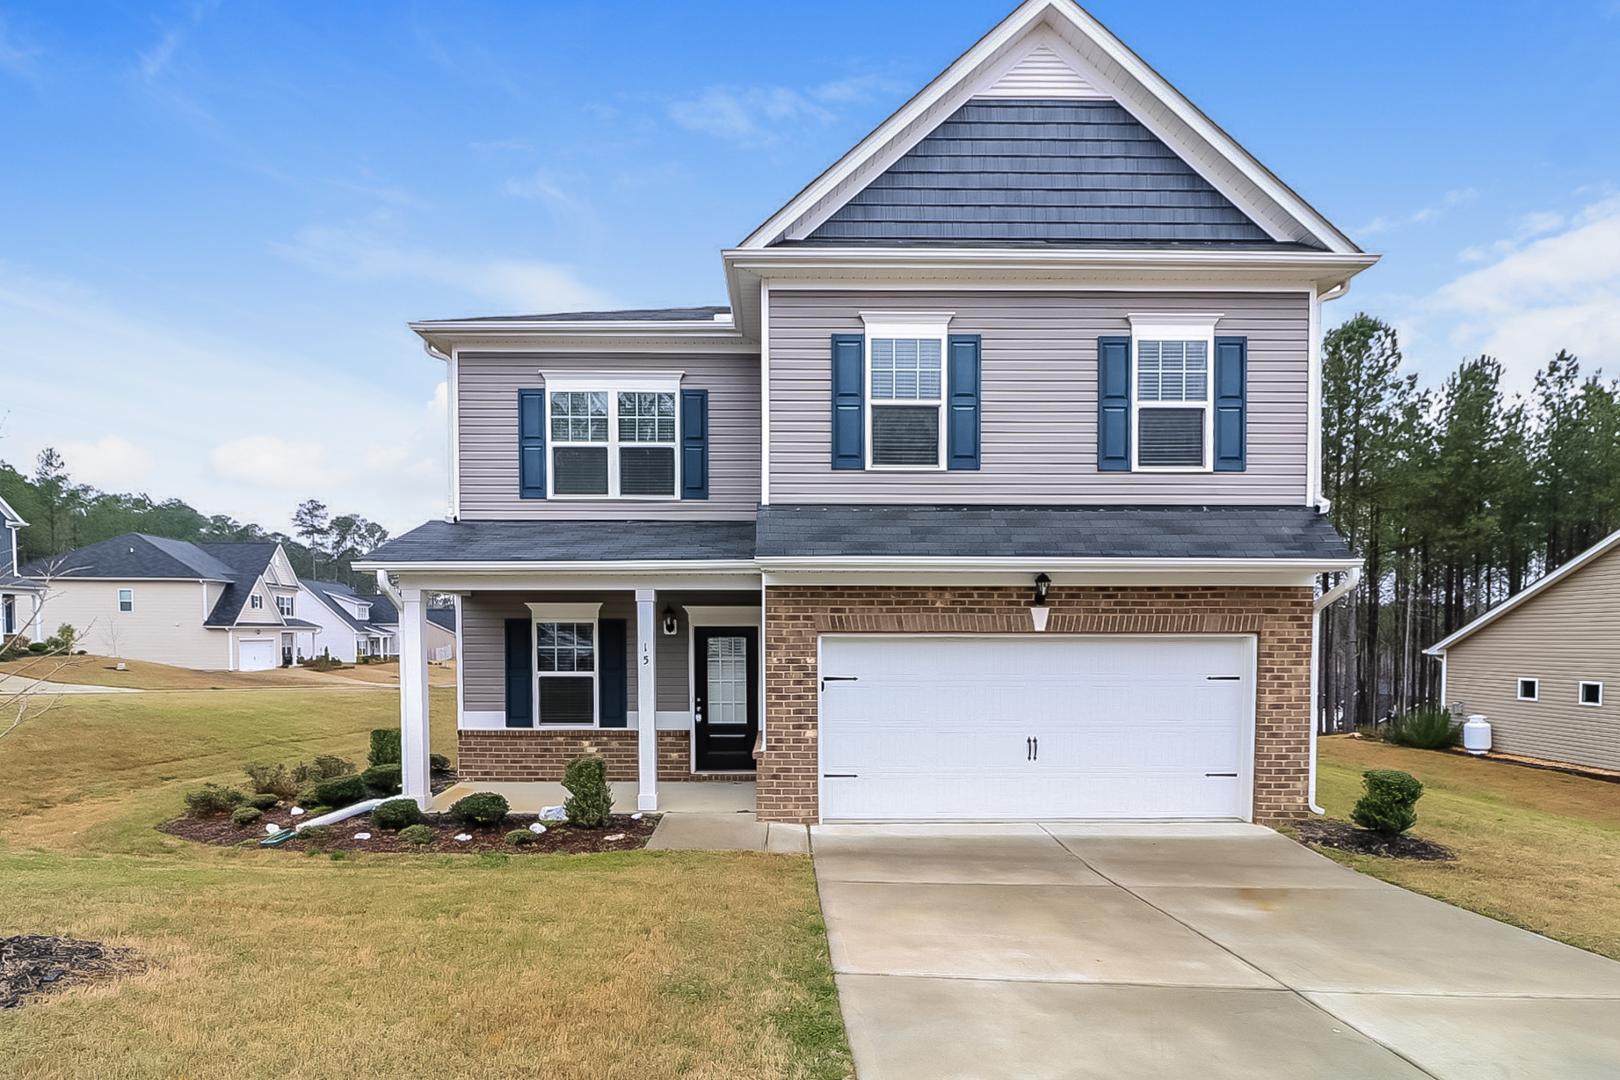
[528, 754]
[796, 614]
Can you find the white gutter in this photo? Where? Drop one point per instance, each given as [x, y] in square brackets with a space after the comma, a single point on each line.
[889, 564]
[627, 566]
[1352, 578]
[386, 587]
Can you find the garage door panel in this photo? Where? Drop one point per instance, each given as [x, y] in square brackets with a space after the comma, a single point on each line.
[256, 655]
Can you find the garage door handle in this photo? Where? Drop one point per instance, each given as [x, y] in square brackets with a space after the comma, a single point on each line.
[825, 679]
[840, 776]
[1232, 775]
[1037, 748]
[1029, 748]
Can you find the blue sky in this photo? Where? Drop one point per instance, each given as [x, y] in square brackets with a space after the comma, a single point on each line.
[217, 217]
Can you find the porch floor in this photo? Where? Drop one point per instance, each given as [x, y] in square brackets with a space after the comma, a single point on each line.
[674, 796]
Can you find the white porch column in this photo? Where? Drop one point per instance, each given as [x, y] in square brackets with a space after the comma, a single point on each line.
[647, 699]
[413, 697]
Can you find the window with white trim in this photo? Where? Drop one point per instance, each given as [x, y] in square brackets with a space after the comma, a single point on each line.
[1591, 693]
[565, 664]
[614, 439]
[126, 599]
[8, 615]
[1529, 689]
[256, 602]
[905, 389]
[284, 604]
[1172, 410]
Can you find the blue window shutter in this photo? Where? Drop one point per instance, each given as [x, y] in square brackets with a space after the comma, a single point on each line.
[612, 686]
[1114, 404]
[1231, 403]
[962, 402]
[519, 673]
[848, 401]
[531, 444]
[694, 444]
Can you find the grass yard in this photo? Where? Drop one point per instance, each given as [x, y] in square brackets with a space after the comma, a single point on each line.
[143, 675]
[274, 964]
[1534, 848]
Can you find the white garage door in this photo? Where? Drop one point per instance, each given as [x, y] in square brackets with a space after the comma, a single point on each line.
[255, 655]
[987, 728]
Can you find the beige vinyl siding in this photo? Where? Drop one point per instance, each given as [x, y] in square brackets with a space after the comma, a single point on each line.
[1039, 398]
[487, 396]
[264, 616]
[166, 626]
[1562, 637]
[483, 641]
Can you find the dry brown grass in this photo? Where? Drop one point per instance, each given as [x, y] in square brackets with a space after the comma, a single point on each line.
[1534, 848]
[144, 675]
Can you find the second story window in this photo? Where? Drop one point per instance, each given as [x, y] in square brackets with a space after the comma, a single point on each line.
[906, 390]
[284, 604]
[126, 599]
[1172, 407]
[614, 441]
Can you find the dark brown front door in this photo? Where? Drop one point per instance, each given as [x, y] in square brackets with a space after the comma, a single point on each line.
[726, 682]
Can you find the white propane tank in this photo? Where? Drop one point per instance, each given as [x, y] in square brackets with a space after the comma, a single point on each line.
[1477, 735]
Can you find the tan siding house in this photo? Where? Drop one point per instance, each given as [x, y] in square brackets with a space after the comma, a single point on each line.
[1544, 667]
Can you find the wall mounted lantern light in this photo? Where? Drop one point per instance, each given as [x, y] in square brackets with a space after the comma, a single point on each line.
[1038, 611]
[670, 624]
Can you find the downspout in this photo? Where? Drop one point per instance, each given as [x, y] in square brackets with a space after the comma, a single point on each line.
[386, 587]
[1351, 579]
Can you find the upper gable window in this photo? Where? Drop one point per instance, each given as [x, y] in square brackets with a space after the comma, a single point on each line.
[1171, 407]
[284, 604]
[256, 602]
[613, 438]
[906, 390]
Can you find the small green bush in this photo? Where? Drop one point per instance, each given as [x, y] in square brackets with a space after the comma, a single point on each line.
[420, 835]
[384, 746]
[521, 838]
[381, 779]
[243, 816]
[307, 797]
[1424, 729]
[268, 779]
[590, 800]
[317, 836]
[340, 791]
[325, 767]
[211, 800]
[396, 814]
[263, 802]
[438, 763]
[484, 809]
[1389, 807]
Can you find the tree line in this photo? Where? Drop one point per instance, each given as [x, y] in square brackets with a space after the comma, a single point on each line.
[1456, 496]
[63, 514]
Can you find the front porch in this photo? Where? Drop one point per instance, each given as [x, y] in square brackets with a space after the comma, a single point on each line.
[677, 797]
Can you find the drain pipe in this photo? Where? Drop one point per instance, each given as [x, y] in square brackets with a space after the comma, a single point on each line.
[1351, 579]
[386, 587]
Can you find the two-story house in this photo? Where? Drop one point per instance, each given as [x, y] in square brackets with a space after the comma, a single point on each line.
[20, 598]
[993, 492]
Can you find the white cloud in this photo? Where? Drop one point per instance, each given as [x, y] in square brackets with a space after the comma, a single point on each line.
[754, 114]
[154, 61]
[1532, 225]
[16, 57]
[268, 461]
[1451, 199]
[111, 463]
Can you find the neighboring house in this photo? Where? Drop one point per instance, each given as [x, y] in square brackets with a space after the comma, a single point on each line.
[993, 493]
[20, 598]
[351, 625]
[208, 606]
[441, 633]
[1543, 666]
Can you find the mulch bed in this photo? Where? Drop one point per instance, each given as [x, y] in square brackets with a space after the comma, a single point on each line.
[33, 964]
[559, 837]
[1336, 834]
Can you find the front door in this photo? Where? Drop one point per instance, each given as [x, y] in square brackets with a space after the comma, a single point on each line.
[726, 697]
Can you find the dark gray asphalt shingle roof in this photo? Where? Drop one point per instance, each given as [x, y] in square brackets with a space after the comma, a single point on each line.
[569, 541]
[244, 563]
[1169, 532]
[444, 617]
[382, 608]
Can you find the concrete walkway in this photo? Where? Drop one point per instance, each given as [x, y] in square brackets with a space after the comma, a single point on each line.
[1193, 951]
[22, 684]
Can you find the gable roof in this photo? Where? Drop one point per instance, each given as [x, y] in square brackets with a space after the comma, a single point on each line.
[1101, 64]
[1569, 569]
[247, 563]
[328, 593]
[10, 516]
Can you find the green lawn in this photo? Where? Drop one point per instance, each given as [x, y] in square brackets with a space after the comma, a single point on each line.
[274, 964]
[1534, 848]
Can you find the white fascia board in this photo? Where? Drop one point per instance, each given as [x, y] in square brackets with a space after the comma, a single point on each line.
[446, 337]
[625, 566]
[1590, 555]
[12, 518]
[1038, 564]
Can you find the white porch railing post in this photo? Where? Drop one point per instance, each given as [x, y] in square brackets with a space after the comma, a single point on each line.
[413, 697]
[646, 699]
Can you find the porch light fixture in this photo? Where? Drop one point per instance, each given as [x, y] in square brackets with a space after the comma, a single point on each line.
[670, 624]
[1038, 611]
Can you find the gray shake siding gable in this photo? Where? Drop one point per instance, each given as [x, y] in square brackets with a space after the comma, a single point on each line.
[486, 400]
[1039, 398]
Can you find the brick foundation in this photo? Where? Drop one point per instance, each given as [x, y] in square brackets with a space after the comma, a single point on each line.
[529, 754]
[796, 614]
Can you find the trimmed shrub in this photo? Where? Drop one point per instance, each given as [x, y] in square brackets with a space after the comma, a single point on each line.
[484, 809]
[243, 816]
[307, 797]
[438, 763]
[381, 779]
[211, 800]
[340, 791]
[317, 836]
[419, 835]
[590, 800]
[268, 779]
[325, 767]
[263, 802]
[396, 814]
[1424, 729]
[384, 746]
[1389, 807]
[521, 838]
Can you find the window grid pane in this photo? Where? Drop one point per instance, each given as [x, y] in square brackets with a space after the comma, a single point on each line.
[646, 417]
[579, 416]
[565, 648]
[1172, 370]
[906, 369]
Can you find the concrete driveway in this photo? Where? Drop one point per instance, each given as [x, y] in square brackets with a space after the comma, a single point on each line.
[1184, 951]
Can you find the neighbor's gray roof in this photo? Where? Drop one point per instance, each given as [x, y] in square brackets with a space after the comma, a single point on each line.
[245, 562]
[669, 314]
[568, 541]
[1135, 532]
[12, 581]
[442, 617]
[382, 608]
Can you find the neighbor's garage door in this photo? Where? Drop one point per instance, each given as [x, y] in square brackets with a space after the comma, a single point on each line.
[256, 655]
[984, 728]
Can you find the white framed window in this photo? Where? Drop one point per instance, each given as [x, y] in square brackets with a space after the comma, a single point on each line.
[1529, 689]
[361, 645]
[256, 602]
[565, 664]
[1591, 693]
[613, 436]
[284, 604]
[362, 611]
[8, 615]
[1172, 388]
[905, 389]
[126, 599]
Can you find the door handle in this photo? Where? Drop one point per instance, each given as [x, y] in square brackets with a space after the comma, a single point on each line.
[1029, 748]
[1037, 742]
